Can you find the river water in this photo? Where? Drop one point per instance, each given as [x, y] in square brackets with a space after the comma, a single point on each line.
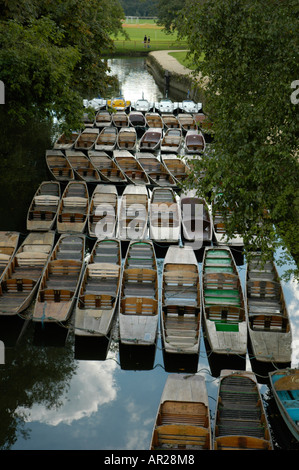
[55, 396]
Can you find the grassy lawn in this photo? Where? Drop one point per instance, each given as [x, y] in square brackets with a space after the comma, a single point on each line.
[182, 58]
[138, 29]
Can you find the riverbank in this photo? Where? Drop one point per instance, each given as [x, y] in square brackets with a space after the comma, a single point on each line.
[169, 73]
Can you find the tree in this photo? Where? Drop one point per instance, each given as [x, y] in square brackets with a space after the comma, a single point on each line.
[169, 14]
[51, 55]
[251, 61]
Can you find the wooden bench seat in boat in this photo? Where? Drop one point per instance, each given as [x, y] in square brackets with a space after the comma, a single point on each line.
[4, 258]
[186, 437]
[173, 412]
[180, 287]
[32, 258]
[139, 306]
[96, 302]
[239, 442]
[228, 314]
[139, 281]
[140, 256]
[263, 289]
[269, 323]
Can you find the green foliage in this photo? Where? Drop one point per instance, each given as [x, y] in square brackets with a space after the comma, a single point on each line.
[250, 58]
[51, 55]
[170, 14]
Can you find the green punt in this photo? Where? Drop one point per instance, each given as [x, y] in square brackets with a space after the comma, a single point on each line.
[223, 304]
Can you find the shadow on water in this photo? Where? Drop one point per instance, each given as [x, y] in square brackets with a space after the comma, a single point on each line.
[22, 168]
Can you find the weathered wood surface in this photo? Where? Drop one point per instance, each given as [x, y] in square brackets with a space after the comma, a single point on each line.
[172, 140]
[132, 221]
[22, 276]
[103, 210]
[241, 422]
[138, 307]
[108, 169]
[164, 216]
[59, 166]
[181, 305]
[43, 209]
[268, 319]
[8, 247]
[183, 419]
[223, 303]
[155, 169]
[176, 166]
[151, 139]
[73, 208]
[98, 292]
[130, 167]
[60, 280]
[107, 139]
[83, 168]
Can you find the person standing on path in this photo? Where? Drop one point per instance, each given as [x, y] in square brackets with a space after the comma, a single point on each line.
[145, 40]
[148, 42]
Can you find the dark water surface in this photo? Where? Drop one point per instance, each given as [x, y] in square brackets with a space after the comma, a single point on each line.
[56, 397]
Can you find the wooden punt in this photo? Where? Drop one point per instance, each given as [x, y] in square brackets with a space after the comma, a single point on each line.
[59, 166]
[187, 122]
[164, 216]
[151, 139]
[176, 166]
[98, 292]
[197, 224]
[183, 417]
[83, 168]
[120, 119]
[154, 120]
[107, 139]
[8, 246]
[268, 319]
[22, 276]
[73, 208]
[127, 139]
[180, 304]
[220, 233]
[137, 120]
[66, 141]
[223, 304]
[43, 209]
[131, 167]
[138, 306]
[155, 169]
[284, 384]
[170, 121]
[102, 216]
[194, 142]
[172, 140]
[133, 214]
[87, 139]
[60, 280]
[103, 118]
[108, 169]
[240, 422]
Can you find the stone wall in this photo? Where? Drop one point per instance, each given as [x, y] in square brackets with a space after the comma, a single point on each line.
[179, 84]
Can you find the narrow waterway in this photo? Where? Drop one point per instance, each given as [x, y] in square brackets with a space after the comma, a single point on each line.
[57, 397]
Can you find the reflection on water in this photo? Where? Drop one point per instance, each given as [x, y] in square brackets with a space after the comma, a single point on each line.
[54, 397]
[134, 79]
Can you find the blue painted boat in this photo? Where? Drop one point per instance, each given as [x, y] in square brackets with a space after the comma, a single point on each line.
[285, 387]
